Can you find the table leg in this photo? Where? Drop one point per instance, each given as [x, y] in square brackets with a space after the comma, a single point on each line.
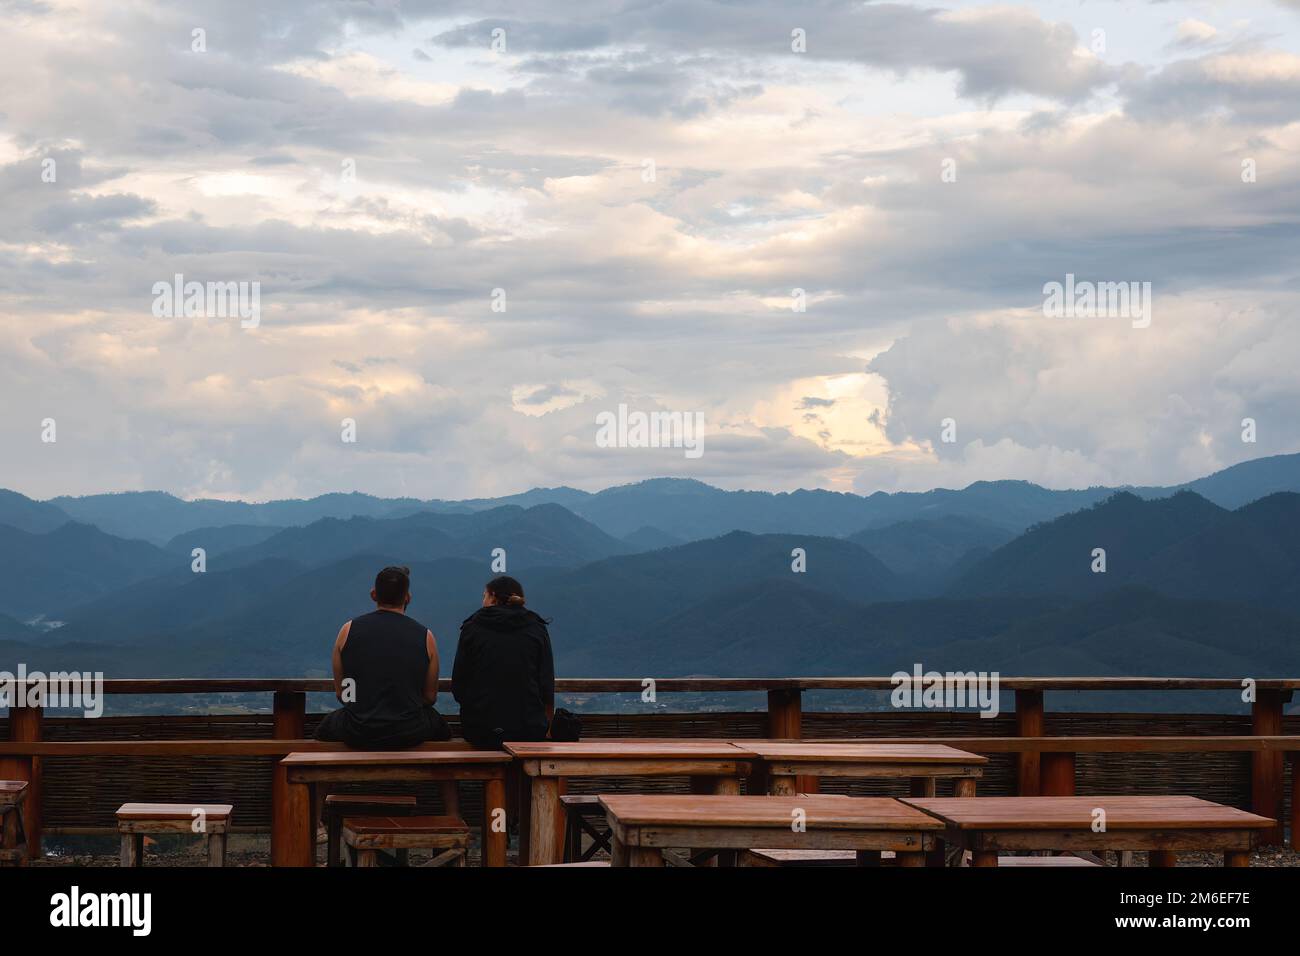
[868, 858]
[1162, 858]
[914, 858]
[544, 841]
[922, 787]
[963, 787]
[496, 833]
[781, 785]
[645, 856]
[1236, 859]
[617, 852]
[522, 788]
[984, 858]
[292, 821]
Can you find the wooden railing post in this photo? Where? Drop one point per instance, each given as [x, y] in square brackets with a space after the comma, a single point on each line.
[1029, 723]
[785, 720]
[1056, 774]
[1295, 801]
[290, 720]
[1266, 769]
[26, 726]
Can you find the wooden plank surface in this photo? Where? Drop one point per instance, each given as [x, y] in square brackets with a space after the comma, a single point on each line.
[629, 750]
[264, 747]
[581, 685]
[1064, 813]
[821, 751]
[394, 758]
[384, 824]
[821, 811]
[172, 811]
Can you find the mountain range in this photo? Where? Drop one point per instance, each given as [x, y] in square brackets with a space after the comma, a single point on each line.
[997, 576]
[682, 509]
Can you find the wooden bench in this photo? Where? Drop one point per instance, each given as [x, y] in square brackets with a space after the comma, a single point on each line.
[798, 858]
[1160, 824]
[584, 814]
[13, 836]
[1050, 861]
[340, 805]
[561, 866]
[134, 820]
[368, 835]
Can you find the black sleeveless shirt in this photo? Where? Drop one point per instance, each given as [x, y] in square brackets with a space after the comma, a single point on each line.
[386, 658]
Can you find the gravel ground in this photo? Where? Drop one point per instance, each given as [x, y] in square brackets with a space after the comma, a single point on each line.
[255, 850]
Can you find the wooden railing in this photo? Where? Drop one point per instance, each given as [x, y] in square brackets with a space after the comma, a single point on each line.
[1045, 765]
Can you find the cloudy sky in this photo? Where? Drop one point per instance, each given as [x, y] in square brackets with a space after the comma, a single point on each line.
[648, 181]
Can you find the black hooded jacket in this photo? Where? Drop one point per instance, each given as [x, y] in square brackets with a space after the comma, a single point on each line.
[504, 675]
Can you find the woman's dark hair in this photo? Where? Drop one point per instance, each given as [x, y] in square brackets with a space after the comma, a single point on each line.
[506, 590]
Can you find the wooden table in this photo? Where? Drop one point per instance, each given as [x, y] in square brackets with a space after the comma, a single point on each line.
[717, 764]
[785, 760]
[1158, 824]
[294, 819]
[643, 826]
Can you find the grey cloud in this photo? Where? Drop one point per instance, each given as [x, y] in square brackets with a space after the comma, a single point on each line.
[546, 394]
[1194, 89]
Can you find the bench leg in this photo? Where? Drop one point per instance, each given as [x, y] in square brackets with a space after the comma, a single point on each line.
[1162, 858]
[1236, 859]
[726, 786]
[334, 839]
[781, 785]
[572, 839]
[963, 787]
[132, 849]
[216, 849]
[984, 858]
[368, 859]
[910, 858]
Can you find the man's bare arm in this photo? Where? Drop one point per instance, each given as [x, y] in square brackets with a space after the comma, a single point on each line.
[339, 642]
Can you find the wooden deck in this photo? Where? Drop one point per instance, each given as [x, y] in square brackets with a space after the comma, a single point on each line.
[81, 770]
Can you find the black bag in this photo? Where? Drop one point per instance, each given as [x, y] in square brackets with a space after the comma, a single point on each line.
[565, 725]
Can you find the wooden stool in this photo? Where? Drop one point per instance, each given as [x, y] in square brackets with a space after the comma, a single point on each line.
[368, 835]
[134, 820]
[584, 814]
[340, 805]
[13, 837]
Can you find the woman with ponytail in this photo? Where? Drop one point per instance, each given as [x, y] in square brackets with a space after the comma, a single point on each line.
[504, 673]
